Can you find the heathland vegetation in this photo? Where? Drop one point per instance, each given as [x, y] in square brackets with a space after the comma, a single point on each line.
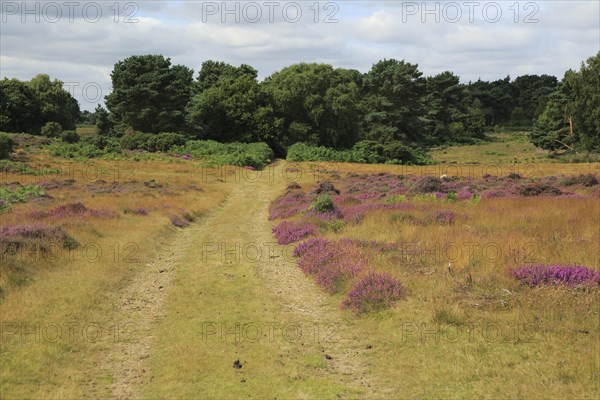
[164, 252]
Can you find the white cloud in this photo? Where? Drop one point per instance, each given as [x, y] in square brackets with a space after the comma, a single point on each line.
[80, 51]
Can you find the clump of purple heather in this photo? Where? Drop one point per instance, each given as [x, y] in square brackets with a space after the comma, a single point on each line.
[464, 194]
[135, 211]
[373, 293]
[442, 217]
[539, 189]
[330, 263]
[288, 205]
[558, 274]
[72, 210]
[34, 236]
[288, 232]
[4, 205]
[179, 222]
[427, 184]
[308, 245]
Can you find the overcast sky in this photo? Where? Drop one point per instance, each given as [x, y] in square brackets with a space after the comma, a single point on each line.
[78, 42]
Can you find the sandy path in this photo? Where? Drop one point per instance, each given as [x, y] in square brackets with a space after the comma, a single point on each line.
[141, 303]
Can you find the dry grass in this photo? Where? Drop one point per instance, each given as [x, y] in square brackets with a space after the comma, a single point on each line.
[463, 332]
[468, 329]
[53, 306]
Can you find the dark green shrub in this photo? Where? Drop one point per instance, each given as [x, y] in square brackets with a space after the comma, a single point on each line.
[164, 141]
[51, 129]
[69, 137]
[136, 140]
[323, 204]
[369, 151]
[7, 145]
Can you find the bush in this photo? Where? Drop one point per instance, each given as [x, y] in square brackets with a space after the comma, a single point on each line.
[7, 145]
[567, 275]
[88, 147]
[69, 137]
[165, 141]
[373, 293]
[366, 151]
[427, 184]
[21, 194]
[289, 232]
[51, 129]
[323, 204]
[539, 189]
[135, 141]
[152, 142]
[255, 155]
[587, 180]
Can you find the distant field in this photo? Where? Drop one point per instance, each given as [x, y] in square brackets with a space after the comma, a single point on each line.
[164, 278]
[86, 130]
[503, 148]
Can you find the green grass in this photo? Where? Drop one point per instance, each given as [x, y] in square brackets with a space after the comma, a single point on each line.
[504, 148]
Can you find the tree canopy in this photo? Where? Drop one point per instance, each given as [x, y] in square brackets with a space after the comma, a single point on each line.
[25, 106]
[390, 109]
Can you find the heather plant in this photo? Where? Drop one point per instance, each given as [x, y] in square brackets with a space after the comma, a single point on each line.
[374, 292]
[288, 205]
[4, 206]
[178, 221]
[427, 184]
[587, 180]
[442, 217]
[308, 245]
[539, 189]
[135, 211]
[288, 232]
[557, 274]
[326, 188]
[76, 209]
[33, 236]
[332, 264]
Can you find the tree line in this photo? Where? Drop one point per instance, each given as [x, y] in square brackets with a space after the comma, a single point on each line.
[393, 105]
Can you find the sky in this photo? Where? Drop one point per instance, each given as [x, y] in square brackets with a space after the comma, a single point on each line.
[78, 42]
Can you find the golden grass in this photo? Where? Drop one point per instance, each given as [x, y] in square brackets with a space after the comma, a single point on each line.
[49, 347]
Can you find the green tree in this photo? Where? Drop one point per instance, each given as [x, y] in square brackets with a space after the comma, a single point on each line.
[393, 102]
[19, 107]
[452, 113]
[230, 105]
[149, 94]
[317, 104]
[103, 122]
[585, 102]
[51, 129]
[496, 99]
[571, 119]
[530, 93]
[56, 104]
